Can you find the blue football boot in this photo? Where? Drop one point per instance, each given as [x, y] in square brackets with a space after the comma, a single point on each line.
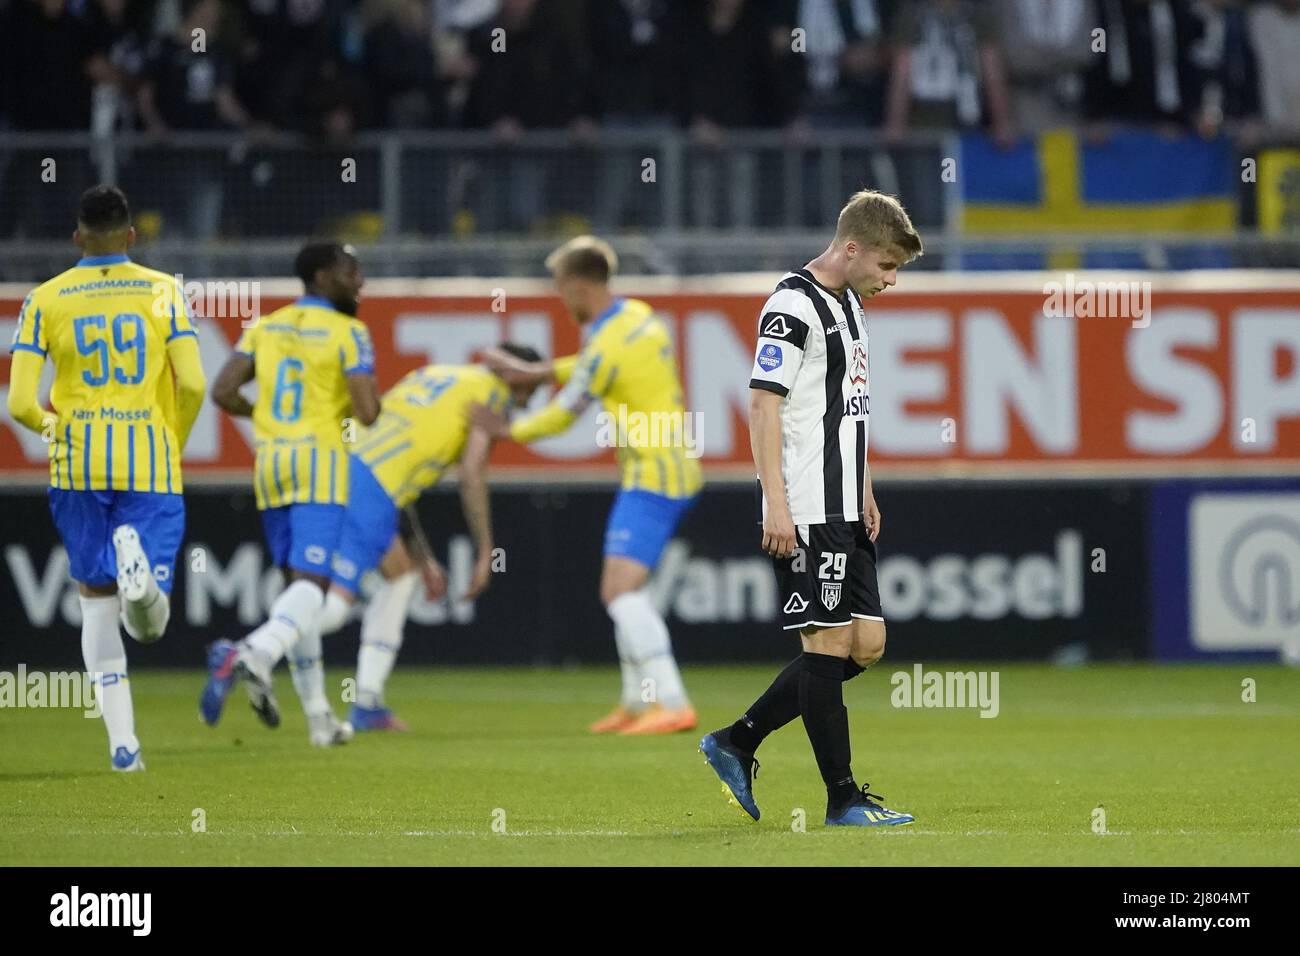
[365, 719]
[865, 811]
[735, 768]
[124, 761]
[221, 678]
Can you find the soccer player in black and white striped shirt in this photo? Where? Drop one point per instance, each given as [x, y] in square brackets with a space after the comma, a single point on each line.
[809, 410]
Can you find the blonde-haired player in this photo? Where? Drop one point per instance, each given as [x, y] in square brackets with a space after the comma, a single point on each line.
[627, 363]
[127, 387]
[808, 415]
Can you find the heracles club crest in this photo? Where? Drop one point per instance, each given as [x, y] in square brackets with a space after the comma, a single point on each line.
[831, 594]
[858, 365]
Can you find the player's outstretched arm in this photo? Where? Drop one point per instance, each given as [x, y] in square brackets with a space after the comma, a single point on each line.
[516, 371]
[191, 383]
[238, 371]
[555, 418]
[24, 383]
[364, 390]
[562, 368]
[765, 442]
[476, 504]
[589, 377]
[552, 419]
[417, 546]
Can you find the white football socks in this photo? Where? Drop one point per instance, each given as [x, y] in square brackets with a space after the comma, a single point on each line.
[308, 670]
[146, 619]
[335, 615]
[629, 697]
[105, 658]
[294, 611]
[381, 637]
[651, 649]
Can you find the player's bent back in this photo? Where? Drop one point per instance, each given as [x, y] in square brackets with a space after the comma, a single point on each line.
[421, 432]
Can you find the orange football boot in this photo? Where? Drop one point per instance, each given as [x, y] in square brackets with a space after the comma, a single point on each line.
[660, 720]
[613, 722]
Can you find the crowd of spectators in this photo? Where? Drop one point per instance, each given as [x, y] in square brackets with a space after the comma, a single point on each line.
[327, 69]
[330, 67]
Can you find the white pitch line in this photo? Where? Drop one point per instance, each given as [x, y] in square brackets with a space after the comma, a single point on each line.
[710, 831]
[509, 833]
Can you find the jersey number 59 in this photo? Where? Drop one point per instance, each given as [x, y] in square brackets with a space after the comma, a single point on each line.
[91, 332]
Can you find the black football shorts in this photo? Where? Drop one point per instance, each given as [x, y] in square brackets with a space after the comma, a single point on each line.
[831, 577]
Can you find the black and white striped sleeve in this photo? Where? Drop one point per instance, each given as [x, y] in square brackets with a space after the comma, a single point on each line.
[783, 329]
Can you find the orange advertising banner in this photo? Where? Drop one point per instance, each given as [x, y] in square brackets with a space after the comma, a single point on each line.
[986, 383]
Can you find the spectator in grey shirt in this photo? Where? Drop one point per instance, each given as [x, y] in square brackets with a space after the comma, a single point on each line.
[1046, 45]
[1275, 34]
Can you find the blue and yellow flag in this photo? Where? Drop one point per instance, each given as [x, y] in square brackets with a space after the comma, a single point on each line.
[1279, 190]
[1135, 181]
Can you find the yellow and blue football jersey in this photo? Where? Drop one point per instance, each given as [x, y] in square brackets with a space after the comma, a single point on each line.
[114, 331]
[629, 365]
[424, 425]
[302, 355]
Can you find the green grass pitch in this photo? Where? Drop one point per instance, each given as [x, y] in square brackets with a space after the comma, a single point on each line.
[1187, 774]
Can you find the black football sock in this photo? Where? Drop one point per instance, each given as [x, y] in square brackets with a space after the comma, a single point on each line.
[821, 703]
[778, 705]
[841, 794]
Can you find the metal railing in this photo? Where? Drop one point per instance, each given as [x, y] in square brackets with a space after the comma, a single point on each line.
[463, 203]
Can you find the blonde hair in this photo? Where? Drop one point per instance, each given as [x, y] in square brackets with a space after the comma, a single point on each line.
[878, 220]
[585, 257]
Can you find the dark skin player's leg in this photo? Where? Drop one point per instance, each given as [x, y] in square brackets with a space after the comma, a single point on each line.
[322, 582]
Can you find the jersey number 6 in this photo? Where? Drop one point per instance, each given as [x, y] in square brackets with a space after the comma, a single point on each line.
[288, 385]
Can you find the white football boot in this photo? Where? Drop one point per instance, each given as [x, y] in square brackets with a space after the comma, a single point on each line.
[133, 571]
[326, 730]
[252, 670]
